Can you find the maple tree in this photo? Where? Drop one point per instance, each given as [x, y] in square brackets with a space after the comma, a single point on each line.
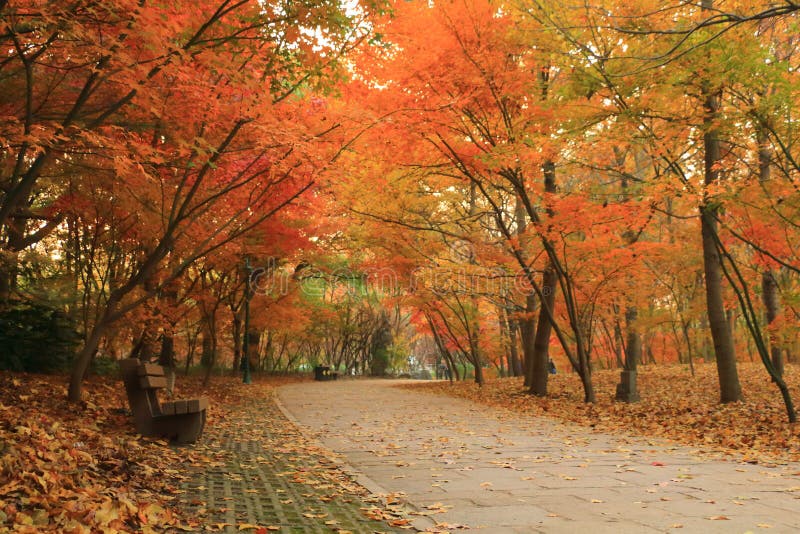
[183, 144]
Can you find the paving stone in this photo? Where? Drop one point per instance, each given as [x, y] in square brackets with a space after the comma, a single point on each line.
[255, 481]
[570, 478]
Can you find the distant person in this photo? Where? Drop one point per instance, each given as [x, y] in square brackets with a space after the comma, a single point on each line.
[444, 372]
[551, 366]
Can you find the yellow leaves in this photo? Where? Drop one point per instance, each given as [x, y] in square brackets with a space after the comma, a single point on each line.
[152, 514]
[23, 519]
[257, 528]
[106, 513]
[432, 509]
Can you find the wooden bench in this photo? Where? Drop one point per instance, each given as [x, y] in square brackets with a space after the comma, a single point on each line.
[323, 372]
[181, 421]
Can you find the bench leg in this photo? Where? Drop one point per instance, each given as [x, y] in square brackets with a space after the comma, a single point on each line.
[180, 429]
[191, 427]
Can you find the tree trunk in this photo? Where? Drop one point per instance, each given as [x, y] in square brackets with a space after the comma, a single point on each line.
[84, 357]
[237, 342]
[528, 334]
[541, 346]
[685, 326]
[8, 275]
[9, 259]
[514, 364]
[627, 390]
[253, 341]
[586, 380]
[541, 343]
[166, 359]
[730, 389]
[769, 284]
[619, 344]
[502, 324]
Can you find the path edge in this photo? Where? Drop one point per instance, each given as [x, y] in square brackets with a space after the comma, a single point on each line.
[420, 522]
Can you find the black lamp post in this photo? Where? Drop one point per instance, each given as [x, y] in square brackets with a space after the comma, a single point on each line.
[246, 378]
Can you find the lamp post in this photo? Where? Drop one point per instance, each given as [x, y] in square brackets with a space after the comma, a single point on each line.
[246, 378]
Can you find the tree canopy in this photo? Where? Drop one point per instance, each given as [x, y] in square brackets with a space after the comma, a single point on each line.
[405, 187]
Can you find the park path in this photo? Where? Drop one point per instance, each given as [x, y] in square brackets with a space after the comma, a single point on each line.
[469, 465]
[260, 473]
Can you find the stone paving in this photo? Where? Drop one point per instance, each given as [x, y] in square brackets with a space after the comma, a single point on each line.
[262, 472]
[468, 465]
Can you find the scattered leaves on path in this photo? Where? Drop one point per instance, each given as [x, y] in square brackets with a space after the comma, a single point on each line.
[674, 406]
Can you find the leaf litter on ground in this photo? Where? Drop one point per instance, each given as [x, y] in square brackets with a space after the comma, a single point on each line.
[81, 468]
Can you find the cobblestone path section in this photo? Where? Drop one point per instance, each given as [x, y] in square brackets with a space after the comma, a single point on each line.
[505, 473]
[261, 471]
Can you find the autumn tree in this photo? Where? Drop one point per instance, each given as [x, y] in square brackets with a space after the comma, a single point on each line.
[172, 118]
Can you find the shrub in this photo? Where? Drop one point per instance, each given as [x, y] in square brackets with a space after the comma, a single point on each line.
[36, 338]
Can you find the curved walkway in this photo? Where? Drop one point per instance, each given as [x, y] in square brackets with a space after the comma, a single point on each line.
[461, 464]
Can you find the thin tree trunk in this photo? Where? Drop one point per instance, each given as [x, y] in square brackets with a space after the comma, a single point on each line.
[685, 326]
[166, 359]
[541, 345]
[769, 284]
[502, 323]
[514, 365]
[527, 330]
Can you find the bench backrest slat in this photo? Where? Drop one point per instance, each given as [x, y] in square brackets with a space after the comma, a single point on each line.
[152, 382]
[143, 402]
[150, 369]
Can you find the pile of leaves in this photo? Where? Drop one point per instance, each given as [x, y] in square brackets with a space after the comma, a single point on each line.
[674, 405]
[81, 468]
